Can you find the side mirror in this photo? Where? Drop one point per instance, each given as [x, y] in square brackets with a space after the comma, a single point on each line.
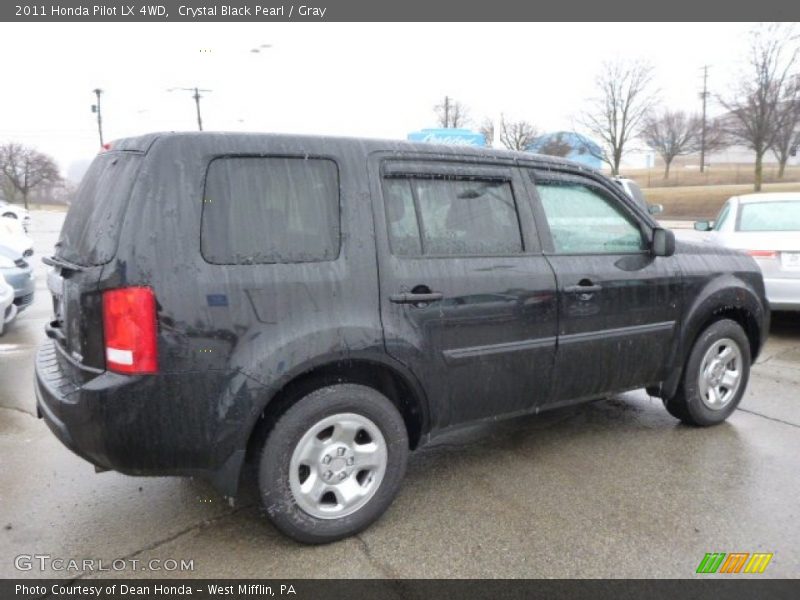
[655, 209]
[663, 242]
[702, 225]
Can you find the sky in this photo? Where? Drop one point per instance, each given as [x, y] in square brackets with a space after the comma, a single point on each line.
[365, 79]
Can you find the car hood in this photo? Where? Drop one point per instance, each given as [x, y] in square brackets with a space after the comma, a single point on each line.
[704, 248]
[13, 236]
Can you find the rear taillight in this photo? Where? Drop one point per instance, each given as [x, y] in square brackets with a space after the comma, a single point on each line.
[129, 328]
[763, 253]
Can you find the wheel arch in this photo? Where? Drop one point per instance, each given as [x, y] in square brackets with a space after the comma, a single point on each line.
[380, 373]
[726, 297]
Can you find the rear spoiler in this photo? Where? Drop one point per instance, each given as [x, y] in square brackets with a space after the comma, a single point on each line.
[54, 261]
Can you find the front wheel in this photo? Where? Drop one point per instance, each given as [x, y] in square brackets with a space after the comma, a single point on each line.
[333, 463]
[715, 376]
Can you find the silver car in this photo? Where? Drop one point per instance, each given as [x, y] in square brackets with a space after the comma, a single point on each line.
[766, 226]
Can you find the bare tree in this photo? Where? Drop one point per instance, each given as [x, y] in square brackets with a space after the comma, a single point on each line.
[25, 169]
[555, 145]
[788, 136]
[487, 130]
[756, 107]
[516, 135]
[670, 134]
[617, 114]
[451, 113]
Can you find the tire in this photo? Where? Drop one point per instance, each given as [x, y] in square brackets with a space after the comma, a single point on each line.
[10, 215]
[332, 463]
[692, 404]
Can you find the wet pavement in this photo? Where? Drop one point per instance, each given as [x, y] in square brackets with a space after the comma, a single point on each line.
[616, 488]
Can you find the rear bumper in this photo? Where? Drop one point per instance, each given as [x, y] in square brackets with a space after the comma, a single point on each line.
[146, 425]
[783, 293]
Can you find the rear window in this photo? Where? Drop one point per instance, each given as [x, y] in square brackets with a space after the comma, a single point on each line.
[770, 216]
[91, 229]
[270, 210]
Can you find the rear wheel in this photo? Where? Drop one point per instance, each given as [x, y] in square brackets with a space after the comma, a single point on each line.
[715, 376]
[333, 463]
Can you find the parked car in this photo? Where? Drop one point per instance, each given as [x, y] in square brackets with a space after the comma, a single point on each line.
[767, 227]
[8, 310]
[634, 191]
[12, 235]
[324, 305]
[19, 275]
[12, 211]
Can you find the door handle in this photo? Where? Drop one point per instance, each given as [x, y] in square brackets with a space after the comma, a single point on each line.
[584, 287]
[412, 298]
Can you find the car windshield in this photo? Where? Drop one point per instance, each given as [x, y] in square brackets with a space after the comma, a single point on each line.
[770, 216]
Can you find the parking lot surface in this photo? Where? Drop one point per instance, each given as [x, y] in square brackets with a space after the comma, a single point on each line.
[616, 488]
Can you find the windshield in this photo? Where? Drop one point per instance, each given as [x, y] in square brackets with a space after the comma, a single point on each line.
[91, 228]
[770, 216]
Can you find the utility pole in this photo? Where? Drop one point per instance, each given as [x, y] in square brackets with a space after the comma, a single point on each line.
[704, 96]
[446, 111]
[196, 95]
[96, 109]
[197, 105]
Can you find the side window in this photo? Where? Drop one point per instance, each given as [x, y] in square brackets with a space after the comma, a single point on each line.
[582, 220]
[722, 217]
[451, 217]
[270, 210]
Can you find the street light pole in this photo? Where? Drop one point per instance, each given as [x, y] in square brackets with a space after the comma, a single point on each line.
[96, 109]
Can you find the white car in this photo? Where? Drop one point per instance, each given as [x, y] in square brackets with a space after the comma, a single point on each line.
[767, 227]
[8, 310]
[11, 211]
[634, 191]
[12, 235]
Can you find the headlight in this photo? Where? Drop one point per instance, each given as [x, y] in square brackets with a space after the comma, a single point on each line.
[6, 263]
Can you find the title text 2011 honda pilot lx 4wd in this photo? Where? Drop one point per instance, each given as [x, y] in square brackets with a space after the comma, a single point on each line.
[329, 304]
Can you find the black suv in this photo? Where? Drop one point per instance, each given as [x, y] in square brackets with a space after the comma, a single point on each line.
[326, 305]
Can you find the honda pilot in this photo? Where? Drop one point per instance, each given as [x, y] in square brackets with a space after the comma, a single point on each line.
[327, 305]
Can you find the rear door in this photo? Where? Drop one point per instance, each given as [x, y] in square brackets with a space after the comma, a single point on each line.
[618, 304]
[88, 241]
[467, 299]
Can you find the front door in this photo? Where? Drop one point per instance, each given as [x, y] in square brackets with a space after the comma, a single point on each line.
[617, 301]
[467, 299]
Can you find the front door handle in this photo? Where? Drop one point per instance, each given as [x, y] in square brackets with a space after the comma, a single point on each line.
[412, 298]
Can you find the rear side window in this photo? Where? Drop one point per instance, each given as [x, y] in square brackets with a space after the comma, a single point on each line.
[451, 217]
[270, 210]
[91, 228]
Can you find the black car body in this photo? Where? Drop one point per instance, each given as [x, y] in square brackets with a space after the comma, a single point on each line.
[457, 319]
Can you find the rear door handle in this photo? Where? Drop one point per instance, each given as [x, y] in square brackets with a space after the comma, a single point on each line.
[583, 289]
[412, 298]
